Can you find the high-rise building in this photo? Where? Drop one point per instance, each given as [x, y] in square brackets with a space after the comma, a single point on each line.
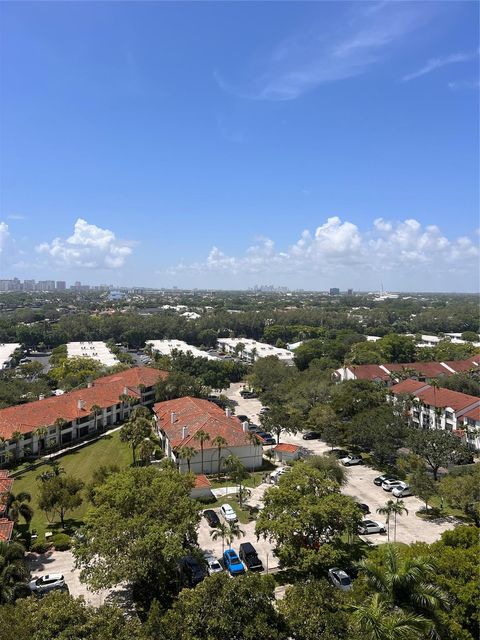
[61, 285]
[29, 285]
[45, 285]
[334, 291]
[350, 292]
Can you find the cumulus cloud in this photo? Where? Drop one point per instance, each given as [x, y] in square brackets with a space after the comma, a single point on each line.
[4, 236]
[336, 247]
[89, 246]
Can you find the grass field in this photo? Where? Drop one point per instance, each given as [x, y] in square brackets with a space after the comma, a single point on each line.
[81, 464]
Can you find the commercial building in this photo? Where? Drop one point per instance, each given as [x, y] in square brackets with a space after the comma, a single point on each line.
[437, 408]
[95, 350]
[167, 347]
[61, 420]
[180, 420]
[251, 350]
[7, 349]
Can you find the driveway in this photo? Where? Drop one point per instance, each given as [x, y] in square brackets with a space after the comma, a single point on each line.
[410, 528]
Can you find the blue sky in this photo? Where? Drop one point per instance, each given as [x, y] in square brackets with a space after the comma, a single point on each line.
[223, 145]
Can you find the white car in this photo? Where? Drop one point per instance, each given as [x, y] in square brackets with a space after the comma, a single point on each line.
[351, 460]
[388, 485]
[228, 513]
[371, 526]
[402, 491]
[340, 578]
[50, 582]
[213, 565]
[278, 473]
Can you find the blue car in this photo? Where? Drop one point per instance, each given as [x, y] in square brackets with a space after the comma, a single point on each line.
[232, 563]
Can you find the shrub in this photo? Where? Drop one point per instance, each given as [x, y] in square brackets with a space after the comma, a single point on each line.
[206, 499]
[61, 541]
[40, 547]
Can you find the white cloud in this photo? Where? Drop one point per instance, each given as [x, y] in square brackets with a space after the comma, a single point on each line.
[4, 236]
[89, 246]
[437, 63]
[326, 53]
[407, 250]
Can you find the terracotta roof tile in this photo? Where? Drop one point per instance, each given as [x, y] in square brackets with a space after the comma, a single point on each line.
[6, 528]
[196, 414]
[408, 386]
[202, 482]
[287, 448]
[473, 414]
[369, 372]
[446, 398]
[104, 392]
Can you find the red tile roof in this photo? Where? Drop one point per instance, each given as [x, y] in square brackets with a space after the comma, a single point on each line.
[6, 528]
[446, 398]
[287, 448]
[196, 414]
[473, 414]
[463, 365]
[370, 372]
[104, 392]
[6, 484]
[424, 369]
[408, 386]
[202, 482]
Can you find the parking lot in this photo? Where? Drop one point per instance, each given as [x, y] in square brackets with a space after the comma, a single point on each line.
[410, 528]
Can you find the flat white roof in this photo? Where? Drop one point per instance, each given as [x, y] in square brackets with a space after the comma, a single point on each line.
[165, 347]
[6, 352]
[95, 350]
[262, 349]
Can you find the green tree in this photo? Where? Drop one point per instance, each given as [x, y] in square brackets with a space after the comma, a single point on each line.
[221, 608]
[220, 531]
[330, 467]
[186, 453]
[375, 620]
[13, 572]
[237, 474]
[437, 447]
[355, 396]
[387, 511]
[40, 433]
[142, 523]
[18, 505]
[96, 411]
[422, 485]
[17, 437]
[306, 516]
[134, 431]
[201, 437]
[315, 611]
[219, 442]
[463, 491]
[58, 495]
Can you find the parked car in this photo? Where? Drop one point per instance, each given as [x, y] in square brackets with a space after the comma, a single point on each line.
[379, 480]
[340, 579]
[278, 473]
[213, 565]
[402, 491]
[371, 526]
[311, 435]
[249, 557]
[192, 572]
[364, 508]
[232, 563]
[351, 460]
[338, 453]
[388, 485]
[243, 418]
[211, 517]
[264, 409]
[267, 438]
[45, 584]
[228, 513]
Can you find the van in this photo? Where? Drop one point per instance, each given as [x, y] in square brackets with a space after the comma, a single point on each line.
[248, 555]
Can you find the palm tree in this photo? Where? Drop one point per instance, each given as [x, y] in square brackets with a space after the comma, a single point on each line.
[405, 582]
[13, 572]
[220, 443]
[387, 511]
[40, 433]
[59, 423]
[95, 410]
[233, 532]
[376, 621]
[220, 531]
[16, 437]
[202, 436]
[398, 509]
[435, 385]
[17, 505]
[145, 450]
[186, 453]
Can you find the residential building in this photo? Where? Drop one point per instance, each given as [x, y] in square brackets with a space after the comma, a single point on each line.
[6, 353]
[437, 408]
[285, 452]
[180, 420]
[334, 291]
[166, 348]
[65, 419]
[251, 350]
[95, 350]
[61, 285]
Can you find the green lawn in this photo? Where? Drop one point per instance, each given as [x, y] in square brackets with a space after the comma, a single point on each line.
[80, 463]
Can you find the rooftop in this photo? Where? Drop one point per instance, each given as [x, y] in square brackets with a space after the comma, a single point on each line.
[95, 350]
[6, 352]
[166, 347]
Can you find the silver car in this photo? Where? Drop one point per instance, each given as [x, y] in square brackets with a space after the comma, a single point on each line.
[371, 526]
[228, 513]
[402, 491]
[340, 578]
[388, 485]
[45, 584]
[213, 565]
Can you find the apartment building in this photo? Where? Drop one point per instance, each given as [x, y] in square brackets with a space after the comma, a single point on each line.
[436, 408]
[47, 423]
[251, 350]
[166, 348]
[179, 421]
[96, 350]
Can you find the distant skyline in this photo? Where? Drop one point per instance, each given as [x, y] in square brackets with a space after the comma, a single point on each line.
[221, 145]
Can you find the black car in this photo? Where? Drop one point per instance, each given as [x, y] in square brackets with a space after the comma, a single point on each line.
[211, 517]
[243, 418]
[379, 480]
[364, 508]
[266, 437]
[311, 435]
[192, 572]
[248, 555]
[339, 453]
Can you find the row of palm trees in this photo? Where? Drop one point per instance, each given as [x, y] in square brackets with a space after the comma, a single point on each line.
[392, 508]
